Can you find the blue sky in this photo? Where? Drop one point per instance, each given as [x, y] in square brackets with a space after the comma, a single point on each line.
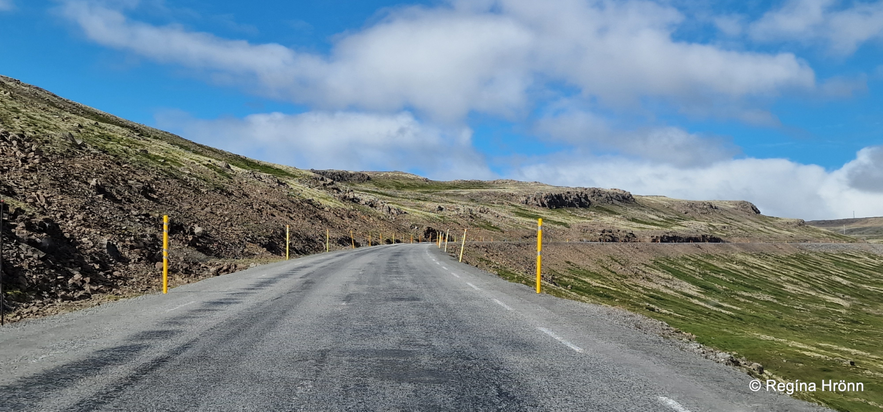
[778, 103]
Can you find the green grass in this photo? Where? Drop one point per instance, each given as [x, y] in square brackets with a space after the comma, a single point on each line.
[248, 164]
[534, 216]
[220, 171]
[488, 226]
[803, 316]
[426, 187]
[649, 223]
[603, 209]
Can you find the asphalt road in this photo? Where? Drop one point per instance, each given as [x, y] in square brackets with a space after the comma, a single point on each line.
[399, 327]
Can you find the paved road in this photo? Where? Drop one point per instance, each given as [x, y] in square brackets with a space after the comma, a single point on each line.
[399, 327]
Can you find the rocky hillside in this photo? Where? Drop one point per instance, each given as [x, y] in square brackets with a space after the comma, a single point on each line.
[85, 191]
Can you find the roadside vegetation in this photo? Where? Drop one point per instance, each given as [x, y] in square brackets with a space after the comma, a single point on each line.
[806, 314]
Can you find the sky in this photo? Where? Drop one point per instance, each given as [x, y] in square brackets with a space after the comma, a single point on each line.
[776, 102]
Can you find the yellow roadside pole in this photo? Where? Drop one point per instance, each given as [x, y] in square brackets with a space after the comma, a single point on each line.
[539, 252]
[286, 242]
[352, 239]
[165, 254]
[447, 237]
[327, 249]
[462, 245]
[438, 239]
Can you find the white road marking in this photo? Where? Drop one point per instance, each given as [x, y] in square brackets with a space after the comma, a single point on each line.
[343, 303]
[503, 304]
[672, 404]
[456, 275]
[473, 286]
[560, 339]
[444, 268]
[181, 306]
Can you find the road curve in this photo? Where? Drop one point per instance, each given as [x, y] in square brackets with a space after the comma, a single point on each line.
[398, 327]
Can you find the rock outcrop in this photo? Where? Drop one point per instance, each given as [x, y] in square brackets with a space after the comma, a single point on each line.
[581, 198]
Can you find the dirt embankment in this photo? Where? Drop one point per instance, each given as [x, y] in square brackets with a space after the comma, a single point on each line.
[80, 223]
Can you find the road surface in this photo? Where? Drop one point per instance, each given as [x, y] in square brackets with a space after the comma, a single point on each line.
[397, 327]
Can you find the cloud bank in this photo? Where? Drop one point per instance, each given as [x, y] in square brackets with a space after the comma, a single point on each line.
[400, 93]
[843, 30]
[340, 140]
[491, 58]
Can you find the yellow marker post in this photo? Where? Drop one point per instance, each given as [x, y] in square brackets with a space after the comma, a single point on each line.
[462, 245]
[327, 249]
[286, 242]
[539, 252]
[447, 236]
[165, 254]
[412, 238]
[352, 239]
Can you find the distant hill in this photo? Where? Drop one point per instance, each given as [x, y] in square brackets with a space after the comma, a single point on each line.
[867, 228]
[85, 192]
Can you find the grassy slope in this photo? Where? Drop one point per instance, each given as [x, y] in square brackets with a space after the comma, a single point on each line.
[869, 228]
[802, 313]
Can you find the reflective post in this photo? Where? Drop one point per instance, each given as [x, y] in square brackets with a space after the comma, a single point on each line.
[462, 245]
[165, 254]
[539, 252]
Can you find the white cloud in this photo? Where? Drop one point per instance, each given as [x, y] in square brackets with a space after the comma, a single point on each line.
[7, 5]
[778, 187]
[866, 171]
[669, 145]
[730, 25]
[842, 29]
[339, 140]
[489, 57]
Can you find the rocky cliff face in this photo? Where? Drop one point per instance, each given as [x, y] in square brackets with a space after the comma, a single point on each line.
[581, 198]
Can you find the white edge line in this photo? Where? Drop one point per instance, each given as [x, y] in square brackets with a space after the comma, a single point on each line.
[473, 286]
[455, 275]
[560, 339]
[180, 306]
[503, 304]
[673, 404]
